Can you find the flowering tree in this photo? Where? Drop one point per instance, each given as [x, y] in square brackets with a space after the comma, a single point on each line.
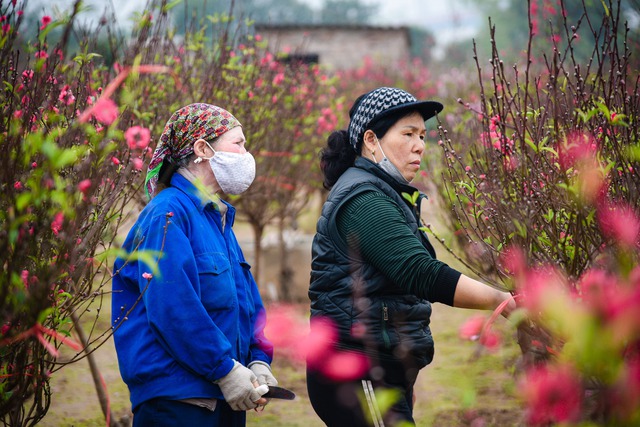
[66, 185]
[543, 180]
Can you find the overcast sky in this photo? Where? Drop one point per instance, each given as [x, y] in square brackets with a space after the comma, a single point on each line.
[447, 20]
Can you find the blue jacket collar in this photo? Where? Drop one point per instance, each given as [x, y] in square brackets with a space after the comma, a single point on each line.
[199, 200]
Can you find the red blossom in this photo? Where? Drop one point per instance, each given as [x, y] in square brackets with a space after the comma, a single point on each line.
[84, 186]
[56, 224]
[553, 394]
[17, 185]
[115, 160]
[46, 20]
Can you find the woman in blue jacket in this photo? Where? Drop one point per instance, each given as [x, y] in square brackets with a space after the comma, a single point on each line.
[187, 315]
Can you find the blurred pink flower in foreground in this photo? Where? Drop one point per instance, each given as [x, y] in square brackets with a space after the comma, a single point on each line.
[291, 334]
[575, 149]
[137, 137]
[105, 110]
[472, 328]
[553, 395]
[620, 223]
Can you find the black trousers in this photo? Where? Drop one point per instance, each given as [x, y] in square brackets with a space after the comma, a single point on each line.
[353, 404]
[172, 413]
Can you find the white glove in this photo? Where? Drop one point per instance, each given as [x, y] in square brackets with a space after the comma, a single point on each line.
[238, 389]
[263, 372]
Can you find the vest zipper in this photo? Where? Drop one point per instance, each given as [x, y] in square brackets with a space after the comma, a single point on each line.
[385, 319]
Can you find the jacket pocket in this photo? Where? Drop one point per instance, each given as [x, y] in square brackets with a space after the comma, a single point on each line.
[217, 287]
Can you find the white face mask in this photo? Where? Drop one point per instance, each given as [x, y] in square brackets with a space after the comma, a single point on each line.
[386, 165]
[234, 171]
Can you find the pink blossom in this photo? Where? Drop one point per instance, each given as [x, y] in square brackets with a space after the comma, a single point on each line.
[553, 394]
[472, 328]
[147, 276]
[56, 225]
[285, 329]
[539, 286]
[279, 78]
[42, 54]
[576, 148]
[258, 37]
[17, 114]
[620, 222]
[319, 343]
[46, 20]
[84, 186]
[137, 163]
[345, 366]
[105, 111]
[115, 161]
[27, 75]
[137, 137]
[6, 28]
[66, 96]
[490, 339]
[18, 185]
[24, 275]
[34, 165]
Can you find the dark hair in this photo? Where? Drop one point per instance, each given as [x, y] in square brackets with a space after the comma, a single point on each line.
[167, 170]
[339, 155]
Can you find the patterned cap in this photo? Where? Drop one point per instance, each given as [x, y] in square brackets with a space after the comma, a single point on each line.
[381, 102]
[186, 126]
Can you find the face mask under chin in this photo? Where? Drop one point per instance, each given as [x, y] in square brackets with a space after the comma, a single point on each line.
[386, 165]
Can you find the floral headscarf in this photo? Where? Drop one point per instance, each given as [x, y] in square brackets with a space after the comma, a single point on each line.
[185, 127]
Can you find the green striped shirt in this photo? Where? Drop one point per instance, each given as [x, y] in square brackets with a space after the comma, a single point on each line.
[375, 227]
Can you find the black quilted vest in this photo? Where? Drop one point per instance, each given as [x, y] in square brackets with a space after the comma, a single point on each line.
[372, 314]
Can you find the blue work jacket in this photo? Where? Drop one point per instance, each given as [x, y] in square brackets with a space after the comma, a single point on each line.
[184, 302]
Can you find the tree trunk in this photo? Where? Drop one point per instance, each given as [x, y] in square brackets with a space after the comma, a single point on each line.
[257, 250]
[98, 382]
[285, 271]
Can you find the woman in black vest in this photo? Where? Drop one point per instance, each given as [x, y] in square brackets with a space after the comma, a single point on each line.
[374, 273]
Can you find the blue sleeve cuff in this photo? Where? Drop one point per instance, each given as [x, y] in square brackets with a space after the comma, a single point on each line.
[223, 369]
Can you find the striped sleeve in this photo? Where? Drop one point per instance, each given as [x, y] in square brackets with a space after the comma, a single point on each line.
[374, 226]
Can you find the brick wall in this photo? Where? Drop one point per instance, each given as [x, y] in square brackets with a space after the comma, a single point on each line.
[339, 47]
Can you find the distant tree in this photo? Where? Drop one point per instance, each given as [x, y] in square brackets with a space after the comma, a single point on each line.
[422, 43]
[512, 34]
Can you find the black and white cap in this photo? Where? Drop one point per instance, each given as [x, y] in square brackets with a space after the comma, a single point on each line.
[382, 101]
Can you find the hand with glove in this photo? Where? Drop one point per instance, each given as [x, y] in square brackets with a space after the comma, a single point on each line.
[263, 372]
[239, 388]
